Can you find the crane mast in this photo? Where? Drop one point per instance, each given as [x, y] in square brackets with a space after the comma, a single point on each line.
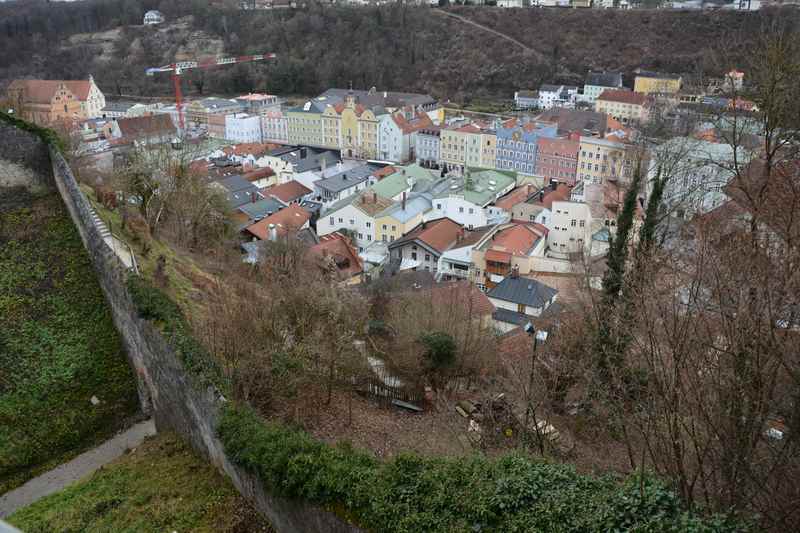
[179, 67]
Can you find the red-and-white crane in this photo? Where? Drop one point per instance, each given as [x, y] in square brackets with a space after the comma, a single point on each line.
[178, 68]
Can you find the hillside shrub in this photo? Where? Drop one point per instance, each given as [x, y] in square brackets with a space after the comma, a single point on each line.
[155, 305]
[409, 493]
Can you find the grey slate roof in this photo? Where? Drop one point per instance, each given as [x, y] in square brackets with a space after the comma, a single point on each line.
[510, 317]
[370, 99]
[347, 178]
[261, 209]
[235, 183]
[239, 191]
[604, 79]
[524, 291]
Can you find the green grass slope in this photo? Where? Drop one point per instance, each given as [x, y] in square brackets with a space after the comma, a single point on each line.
[58, 345]
[160, 486]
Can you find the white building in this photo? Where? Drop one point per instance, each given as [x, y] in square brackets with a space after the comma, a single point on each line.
[569, 229]
[427, 145]
[153, 17]
[357, 215]
[393, 144]
[557, 96]
[243, 128]
[275, 125]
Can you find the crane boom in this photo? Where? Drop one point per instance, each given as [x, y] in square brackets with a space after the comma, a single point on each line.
[179, 67]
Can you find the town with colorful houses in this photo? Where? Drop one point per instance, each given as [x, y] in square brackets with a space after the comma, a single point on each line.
[381, 183]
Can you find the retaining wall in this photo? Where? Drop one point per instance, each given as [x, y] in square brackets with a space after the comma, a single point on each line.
[166, 390]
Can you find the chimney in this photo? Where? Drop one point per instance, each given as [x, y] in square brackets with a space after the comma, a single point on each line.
[404, 200]
[374, 197]
[253, 197]
[541, 195]
[553, 185]
[273, 232]
[344, 177]
[514, 272]
[303, 153]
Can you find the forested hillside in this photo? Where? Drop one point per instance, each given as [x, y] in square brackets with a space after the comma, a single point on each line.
[394, 46]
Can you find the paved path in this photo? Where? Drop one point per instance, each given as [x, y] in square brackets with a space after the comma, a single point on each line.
[465, 20]
[78, 468]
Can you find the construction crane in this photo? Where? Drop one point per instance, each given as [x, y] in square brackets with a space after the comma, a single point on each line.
[178, 68]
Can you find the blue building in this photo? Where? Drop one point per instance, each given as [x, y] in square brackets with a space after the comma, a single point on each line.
[517, 144]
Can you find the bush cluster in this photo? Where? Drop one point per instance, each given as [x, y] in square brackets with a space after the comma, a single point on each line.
[155, 305]
[409, 493]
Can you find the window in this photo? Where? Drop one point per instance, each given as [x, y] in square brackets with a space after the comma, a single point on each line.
[439, 206]
[383, 237]
[391, 238]
[414, 256]
[427, 257]
[573, 222]
[394, 228]
[413, 246]
[331, 221]
[369, 224]
[340, 221]
[460, 209]
[471, 211]
[360, 235]
[369, 237]
[583, 223]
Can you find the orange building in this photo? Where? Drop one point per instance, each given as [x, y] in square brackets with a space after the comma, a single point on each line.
[47, 102]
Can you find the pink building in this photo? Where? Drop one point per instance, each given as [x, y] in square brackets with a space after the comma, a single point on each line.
[558, 160]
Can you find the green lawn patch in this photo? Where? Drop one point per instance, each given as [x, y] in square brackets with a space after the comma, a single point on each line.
[58, 344]
[160, 486]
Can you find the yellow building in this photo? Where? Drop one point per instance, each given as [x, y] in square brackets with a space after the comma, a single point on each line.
[472, 145]
[305, 123]
[656, 83]
[625, 106]
[601, 160]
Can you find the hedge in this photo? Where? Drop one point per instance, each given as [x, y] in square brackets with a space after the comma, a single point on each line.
[513, 493]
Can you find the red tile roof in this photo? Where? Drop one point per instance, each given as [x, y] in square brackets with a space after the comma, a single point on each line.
[498, 257]
[439, 234]
[149, 126]
[385, 171]
[518, 195]
[337, 248]
[418, 122]
[623, 96]
[291, 218]
[42, 91]
[244, 149]
[287, 192]
[563, 147]
[561, 194]
[259, 173]
[517, 240]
